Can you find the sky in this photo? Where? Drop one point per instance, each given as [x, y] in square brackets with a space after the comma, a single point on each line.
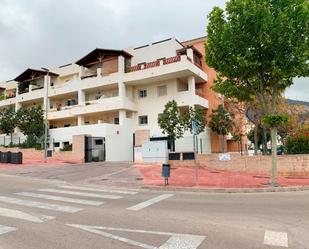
[50, 33]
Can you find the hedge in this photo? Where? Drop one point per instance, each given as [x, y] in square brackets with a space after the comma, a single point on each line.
[297, 144]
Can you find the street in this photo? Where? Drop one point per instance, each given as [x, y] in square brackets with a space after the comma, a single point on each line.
[44, 213]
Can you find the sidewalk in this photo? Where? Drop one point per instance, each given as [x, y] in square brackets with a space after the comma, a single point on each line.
[185, 177]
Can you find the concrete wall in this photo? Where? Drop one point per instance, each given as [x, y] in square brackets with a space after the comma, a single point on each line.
[288, 165]
[154, 52]
[38, 155]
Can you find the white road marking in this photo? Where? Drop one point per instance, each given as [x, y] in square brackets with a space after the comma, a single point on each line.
[115, 237]
[5, 229]
[116, 191]
[42, 205]
[149, 202]
[61, 198]
[176, 241]
[80, 193]
[11, 213]
[183, 242]
[273, 238]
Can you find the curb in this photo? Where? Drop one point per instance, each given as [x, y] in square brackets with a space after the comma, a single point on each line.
[228, 190]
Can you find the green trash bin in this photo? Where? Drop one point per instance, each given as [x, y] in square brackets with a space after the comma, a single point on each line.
[166, 172]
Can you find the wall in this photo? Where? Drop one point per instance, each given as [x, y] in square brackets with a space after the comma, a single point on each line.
[32, 155]
[288, 165]
[118, 138]
[154, 52]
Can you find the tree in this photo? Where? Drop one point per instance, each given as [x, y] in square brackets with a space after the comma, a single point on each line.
[8, 122]
[198, 116]
[258, 47]
[170, 122]
[31, 123]
[221, 122]
[260, 136]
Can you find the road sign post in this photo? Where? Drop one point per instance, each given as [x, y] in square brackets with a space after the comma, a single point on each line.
[194, 132]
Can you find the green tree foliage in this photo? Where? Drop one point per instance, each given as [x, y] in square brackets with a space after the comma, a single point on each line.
[8, 121]
[297, 144]
[170, 121]
[221, 122]
[30, 121]
[198, 116]
[258, 47]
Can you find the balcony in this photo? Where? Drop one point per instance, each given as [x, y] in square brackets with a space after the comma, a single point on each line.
[164, 69]
[94, 106]
[32, 93]
[187, 98]
[7, 100]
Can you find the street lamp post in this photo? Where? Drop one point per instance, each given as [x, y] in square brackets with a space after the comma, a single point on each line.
[46, 112]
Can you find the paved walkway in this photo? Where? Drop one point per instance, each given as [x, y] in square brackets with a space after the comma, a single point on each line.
[185, 177]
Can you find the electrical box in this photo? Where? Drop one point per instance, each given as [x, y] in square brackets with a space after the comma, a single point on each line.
[155, 152]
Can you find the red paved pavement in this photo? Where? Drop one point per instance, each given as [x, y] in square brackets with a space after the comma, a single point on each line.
[185, 177]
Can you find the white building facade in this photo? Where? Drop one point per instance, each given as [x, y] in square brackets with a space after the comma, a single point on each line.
[115, 94]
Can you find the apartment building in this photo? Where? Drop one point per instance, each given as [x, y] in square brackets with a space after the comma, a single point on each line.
[117, 95]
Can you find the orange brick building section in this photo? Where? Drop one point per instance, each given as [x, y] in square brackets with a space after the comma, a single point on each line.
[214, 99]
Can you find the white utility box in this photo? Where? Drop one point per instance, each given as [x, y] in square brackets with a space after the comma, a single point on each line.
[155, 152]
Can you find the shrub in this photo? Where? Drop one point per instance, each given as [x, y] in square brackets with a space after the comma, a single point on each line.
[67, 147]
[31, 142]
[297, 144]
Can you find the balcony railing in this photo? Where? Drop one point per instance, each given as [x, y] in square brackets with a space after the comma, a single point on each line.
[157, 63]
[89, 75]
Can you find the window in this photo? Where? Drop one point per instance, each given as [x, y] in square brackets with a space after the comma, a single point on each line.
[143, 120]
[57, 144]
[183, 86]
[116, 121]
[98, 141]
[162, 90]
[142, 93]
[71, 102]
[67, 125]
[66, 143]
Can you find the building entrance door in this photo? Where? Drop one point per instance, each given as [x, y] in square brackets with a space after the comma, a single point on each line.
[94, 149]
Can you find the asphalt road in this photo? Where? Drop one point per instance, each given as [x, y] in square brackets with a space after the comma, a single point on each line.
[49, 214]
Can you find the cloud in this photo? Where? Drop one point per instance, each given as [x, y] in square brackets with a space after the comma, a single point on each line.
[47, 33]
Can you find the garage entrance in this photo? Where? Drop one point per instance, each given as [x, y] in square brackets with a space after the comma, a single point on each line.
[94, 149]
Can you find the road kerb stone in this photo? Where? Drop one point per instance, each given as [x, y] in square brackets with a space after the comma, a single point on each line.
[229, 190]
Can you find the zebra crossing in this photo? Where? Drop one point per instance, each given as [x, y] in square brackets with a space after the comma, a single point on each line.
[66, 194]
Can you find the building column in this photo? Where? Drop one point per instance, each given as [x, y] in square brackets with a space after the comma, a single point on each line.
[122, 117]
[17, 107]
[81, 71]
[80, 120]
[122, 90]
[46, 88]
[121, 64]
[81, 97]
[190, 53]
[191, 84]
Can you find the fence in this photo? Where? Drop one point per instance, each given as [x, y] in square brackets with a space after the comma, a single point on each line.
[5, 140]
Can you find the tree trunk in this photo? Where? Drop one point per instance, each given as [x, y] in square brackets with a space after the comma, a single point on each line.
[264, 142]
[240, 145]
[256, 142]
[11, 139]
[221, 143]
[274, 156]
